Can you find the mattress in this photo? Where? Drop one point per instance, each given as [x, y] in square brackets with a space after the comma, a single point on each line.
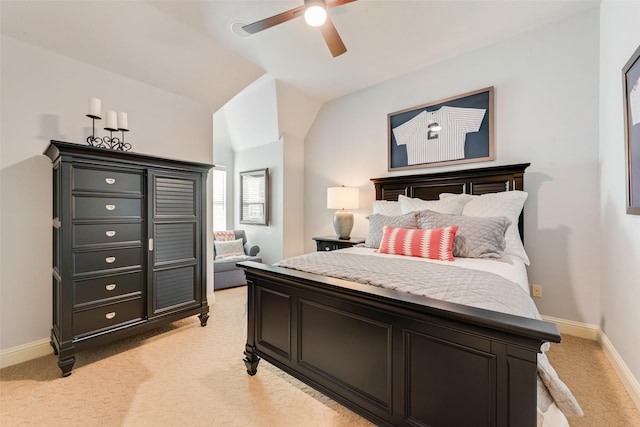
[511, 268]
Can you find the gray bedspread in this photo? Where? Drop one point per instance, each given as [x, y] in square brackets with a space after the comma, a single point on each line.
[444, 282]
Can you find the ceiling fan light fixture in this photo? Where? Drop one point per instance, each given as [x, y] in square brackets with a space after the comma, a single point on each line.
[315, 14]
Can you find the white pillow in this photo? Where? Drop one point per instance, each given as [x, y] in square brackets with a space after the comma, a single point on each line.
[463, 197]
[387, 208]
[508, 204]
[228, 249]
[452, 205]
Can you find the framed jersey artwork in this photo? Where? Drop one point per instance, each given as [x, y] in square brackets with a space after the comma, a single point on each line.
[449, 131]
[631, 86]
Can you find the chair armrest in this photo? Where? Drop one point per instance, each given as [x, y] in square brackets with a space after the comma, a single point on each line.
[251, 250]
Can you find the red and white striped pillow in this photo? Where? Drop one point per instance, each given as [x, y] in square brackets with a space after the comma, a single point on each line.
[434, 243]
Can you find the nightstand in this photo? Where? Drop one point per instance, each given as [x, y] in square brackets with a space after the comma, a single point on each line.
[330, 243]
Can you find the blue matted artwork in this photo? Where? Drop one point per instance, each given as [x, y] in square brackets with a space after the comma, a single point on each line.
[449, 131]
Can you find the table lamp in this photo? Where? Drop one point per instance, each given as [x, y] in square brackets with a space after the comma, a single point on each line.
[342, 198]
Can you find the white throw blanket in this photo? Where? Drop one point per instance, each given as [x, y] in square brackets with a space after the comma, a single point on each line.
[450, 283]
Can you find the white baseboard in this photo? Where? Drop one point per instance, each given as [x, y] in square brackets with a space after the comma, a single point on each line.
[575, 329]
[593, 332]
[621, 368]
[25, 352]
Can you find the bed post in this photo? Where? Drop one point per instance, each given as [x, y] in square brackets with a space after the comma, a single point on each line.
[251, 359]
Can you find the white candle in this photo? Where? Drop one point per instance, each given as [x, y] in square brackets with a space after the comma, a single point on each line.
[94, 107]
[123, 122]
[112, 121]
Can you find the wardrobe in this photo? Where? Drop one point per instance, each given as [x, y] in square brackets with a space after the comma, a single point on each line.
[129, 245]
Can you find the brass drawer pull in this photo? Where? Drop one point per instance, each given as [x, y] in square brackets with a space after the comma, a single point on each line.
[110, 207]
[110, 259]
[110, 180]
[110, 286]
[110, 315]
[110, 233]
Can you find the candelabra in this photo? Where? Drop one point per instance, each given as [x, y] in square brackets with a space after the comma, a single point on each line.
[113, 124]
[112, 142]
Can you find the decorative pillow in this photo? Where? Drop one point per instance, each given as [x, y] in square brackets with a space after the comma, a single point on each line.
[377, 221]
[387, 207]
[476, 237]
[506, 203]
[432, 244]
[224, 236]
[464, 198]
[228, 249]
[447, 206]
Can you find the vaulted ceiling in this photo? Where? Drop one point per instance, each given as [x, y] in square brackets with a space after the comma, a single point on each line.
[188, 47]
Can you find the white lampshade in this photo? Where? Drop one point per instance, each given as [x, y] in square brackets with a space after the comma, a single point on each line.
[342, 198]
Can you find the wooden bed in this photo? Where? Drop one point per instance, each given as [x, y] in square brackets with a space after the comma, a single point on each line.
[397, 358]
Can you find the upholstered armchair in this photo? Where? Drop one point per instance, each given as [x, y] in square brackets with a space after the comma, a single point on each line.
[226, 254]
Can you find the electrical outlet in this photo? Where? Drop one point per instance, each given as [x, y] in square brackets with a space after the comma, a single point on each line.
[536, 291]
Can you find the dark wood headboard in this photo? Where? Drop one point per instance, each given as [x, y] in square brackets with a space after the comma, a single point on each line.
[470, 181]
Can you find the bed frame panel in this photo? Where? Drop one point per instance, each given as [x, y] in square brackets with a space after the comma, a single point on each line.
[396, 358]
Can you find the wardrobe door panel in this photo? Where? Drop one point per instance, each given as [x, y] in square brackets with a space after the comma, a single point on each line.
[174, 288]
[175, 241]
[175, 227]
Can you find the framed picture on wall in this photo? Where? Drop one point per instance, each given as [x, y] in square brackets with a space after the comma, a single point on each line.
[254, 197]
[631, 86]
[449, 131]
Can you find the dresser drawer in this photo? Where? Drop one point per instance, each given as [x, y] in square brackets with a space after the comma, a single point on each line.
[107, 259]
[107, 180]
[107, 287]
[331, 246]
[85, 207]
[326, 246]
[107, 316]
[90, 234]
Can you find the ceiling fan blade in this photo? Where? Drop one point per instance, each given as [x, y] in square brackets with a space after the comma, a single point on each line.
[332, 38]
[275, 20]
[336, 3]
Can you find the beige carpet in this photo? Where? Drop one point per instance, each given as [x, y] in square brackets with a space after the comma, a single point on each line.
[583, 366]
[184, 374]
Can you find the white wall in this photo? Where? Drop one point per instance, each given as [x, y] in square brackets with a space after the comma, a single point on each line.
[546, 113]
[296, 113]
[252, 115]
[267, 111]
[223, 155]
[620, 233]
[293, 196]
[44, 97]
[269, 238]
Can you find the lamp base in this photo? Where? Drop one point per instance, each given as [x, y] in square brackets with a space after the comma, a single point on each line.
[343, 224]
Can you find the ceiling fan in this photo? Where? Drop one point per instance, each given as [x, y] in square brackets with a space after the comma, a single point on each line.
[315, 13]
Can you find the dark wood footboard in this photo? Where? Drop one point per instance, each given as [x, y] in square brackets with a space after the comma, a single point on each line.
[395, 358]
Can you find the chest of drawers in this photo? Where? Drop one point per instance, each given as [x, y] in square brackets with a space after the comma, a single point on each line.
[129, 242]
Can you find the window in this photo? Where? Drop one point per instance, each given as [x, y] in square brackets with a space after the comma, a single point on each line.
[219, 200]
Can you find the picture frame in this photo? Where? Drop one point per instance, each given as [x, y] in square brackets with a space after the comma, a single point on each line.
[631, 92]
[450, 131]
[254, 197]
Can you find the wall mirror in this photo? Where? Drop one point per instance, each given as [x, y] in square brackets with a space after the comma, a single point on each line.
[254, 197]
